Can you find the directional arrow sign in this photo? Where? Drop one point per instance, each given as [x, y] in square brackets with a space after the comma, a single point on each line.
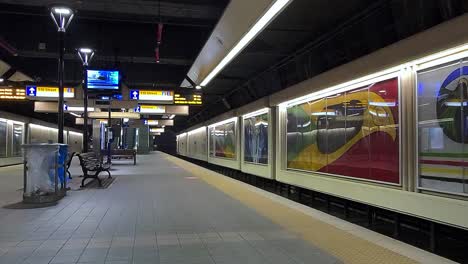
[137, 109]
[134, 94]
[31, 90]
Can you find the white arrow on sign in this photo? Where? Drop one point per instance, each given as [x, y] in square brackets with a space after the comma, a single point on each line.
[135, 93]
[31, 91]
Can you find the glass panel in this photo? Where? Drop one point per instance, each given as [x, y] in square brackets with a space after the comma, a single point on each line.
[212, 141]
[338, 134]
[319, 140]
[442, 135]
[384, 129]
[3, 139]
[300, 137]
[335, 134]
[291, 136]
[256, 139]
[355, 161]
[225, 140]
[230, 140]
[17, 140]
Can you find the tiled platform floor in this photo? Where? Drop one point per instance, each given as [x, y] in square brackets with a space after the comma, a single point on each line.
[155, 212]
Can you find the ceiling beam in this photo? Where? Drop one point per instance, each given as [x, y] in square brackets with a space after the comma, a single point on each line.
[122, 59]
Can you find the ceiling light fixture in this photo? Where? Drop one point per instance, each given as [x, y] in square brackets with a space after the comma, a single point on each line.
[172, 116]
[62, 10]
[270, 14]
[198, 87]
[1, 79]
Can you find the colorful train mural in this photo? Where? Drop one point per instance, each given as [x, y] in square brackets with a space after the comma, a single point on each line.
[256, 139]
[443, 127]
[223, 140]
[354, 134]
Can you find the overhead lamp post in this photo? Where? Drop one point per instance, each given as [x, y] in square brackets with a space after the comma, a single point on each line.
[62, 16]
[86, 55]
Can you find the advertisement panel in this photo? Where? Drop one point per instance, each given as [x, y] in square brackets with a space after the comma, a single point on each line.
[443, 127]
[353, 134]
[223, 140]
[256, 139]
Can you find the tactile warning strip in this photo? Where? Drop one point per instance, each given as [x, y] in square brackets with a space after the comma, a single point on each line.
[343, 245]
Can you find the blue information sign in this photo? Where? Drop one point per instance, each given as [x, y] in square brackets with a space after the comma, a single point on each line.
[31, 90]
[134, 94]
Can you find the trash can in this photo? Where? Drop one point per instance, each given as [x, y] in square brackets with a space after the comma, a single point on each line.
[44, 172]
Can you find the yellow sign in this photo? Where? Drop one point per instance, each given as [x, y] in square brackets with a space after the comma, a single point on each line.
[46, 91]
[152, 95]
[151, 109]
[188, 99]
[157, 130]
[12, 94]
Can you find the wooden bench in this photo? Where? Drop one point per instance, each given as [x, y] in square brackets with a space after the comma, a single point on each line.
[123, 153]
[90, 162]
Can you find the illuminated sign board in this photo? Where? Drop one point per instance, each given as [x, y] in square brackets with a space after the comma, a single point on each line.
[150, 95]
[188, 99]
[151, 122]
[12, 94]
[157, 130]
[51, 92]
[151, 109]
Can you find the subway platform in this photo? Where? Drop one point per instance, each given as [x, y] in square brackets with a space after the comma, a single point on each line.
[167, 210]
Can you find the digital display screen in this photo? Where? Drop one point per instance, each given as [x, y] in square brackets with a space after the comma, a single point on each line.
[188, 99]
[103, 80]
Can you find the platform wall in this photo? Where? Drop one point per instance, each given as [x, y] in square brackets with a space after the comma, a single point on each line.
[16, 130]
[197, 142]
[388, 129]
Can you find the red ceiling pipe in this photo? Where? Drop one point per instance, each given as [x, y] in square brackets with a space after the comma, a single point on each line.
[156, 51]
[9, 48]
[159, 33]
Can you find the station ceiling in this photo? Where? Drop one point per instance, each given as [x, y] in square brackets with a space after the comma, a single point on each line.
[307, 38]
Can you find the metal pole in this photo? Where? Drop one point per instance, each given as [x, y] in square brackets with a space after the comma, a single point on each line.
[109, 126]
[85, 113]
[60, 80]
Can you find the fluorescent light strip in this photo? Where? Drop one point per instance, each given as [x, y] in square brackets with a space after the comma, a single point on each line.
[233, 119]
[441, 57]
[256, 113]
[79, 109]
[43, 127]
[343, 87]
[75, 133]
[274, 9]
[442, 60]
[75, 114]
[11, 121]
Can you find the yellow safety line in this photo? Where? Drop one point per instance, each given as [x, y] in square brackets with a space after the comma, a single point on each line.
[341, 244]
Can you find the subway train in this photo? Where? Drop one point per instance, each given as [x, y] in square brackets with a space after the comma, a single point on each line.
[16, 130]
[389, 130]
